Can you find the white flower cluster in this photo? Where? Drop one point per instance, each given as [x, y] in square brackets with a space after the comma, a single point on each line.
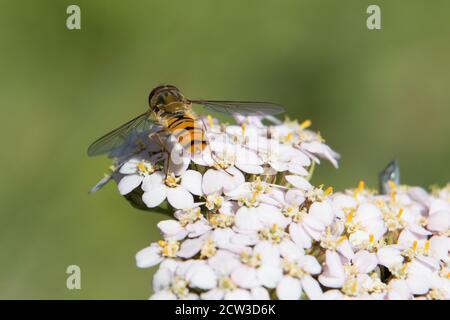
[248, 224]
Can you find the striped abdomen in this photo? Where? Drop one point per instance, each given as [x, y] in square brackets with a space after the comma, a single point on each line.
[187, 130]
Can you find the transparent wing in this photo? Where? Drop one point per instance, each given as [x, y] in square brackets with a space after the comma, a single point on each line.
[117, 137]
[246, 108]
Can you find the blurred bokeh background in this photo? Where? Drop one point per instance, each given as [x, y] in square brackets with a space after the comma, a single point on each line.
[374, 96]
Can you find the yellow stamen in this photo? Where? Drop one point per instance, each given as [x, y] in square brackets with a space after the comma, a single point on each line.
[371, 238]
[210, 121]
[394, 196]
[305, 124]
[341, 239]
[328, 191]
[400, 213]
[427, 246]
[360, 187]
[350, 216]
[414, 247]
[392, 185]
[289, 136]
[162, 243]
[243, 127]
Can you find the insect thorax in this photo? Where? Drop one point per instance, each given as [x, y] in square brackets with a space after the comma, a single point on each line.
[166, 98]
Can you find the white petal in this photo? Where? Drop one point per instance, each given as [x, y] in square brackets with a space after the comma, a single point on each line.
[129, 183]
[247, 219]
[268, 252]
[233, 178]
[296, 168]
[238, 294]
[418, 284]
[270, 215]
[162, 279]
[334, 264]
[129, 167]
[290, 250]
[389, 257]
[212, 181]
[269, 275]
[367, 211]
[260, 293]
[245, 277]
[398, 290]
[439, 221]
[310, 264]
[154, 197]
[299, 236]
[295, 197]
[365, 261]
[330, 281]
[152, 181]
[171, 229]
[322, 211]
[190, 248]
[192, 181]
[289, 288]
[202, 277]
[223, 262]
[180, 198]
[148, 257]
[299, 182]
[163, 295]
[213, 294]
[311, 287]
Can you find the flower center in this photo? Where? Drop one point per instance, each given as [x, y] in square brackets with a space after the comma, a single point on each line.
[252, 260]
[273, 234]
[250, 202]
[179, 287]
[208, 249]
[220, 220]
[227, 284]
[214, 202]
[293, 269]
[169, 248]
[145, 168]
[351, 287]
[172, 181]
[191, 215]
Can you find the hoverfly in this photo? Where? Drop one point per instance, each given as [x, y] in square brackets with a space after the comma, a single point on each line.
[170, 109]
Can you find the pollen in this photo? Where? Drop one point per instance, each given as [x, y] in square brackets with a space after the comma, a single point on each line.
[350, 216]
[414, 246]
[371, 238]
[328, 191]
[210, 120]
[427, 246]
[145, 168]
[394, 196]
[341, 239]
[171, 181]
[243, 128]
[208, 249]
[360, 188]
[392, 185]
[400, 213]
[305, 124]
[169, 248]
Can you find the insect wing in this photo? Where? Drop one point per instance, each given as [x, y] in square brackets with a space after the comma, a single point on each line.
[118, 136]
[246, 108]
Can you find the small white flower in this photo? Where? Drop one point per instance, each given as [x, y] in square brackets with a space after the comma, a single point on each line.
[178, 190]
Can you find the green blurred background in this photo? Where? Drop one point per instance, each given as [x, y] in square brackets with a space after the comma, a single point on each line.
[374, 95]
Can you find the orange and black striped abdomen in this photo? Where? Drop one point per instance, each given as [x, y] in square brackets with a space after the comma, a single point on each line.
[187, 130]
